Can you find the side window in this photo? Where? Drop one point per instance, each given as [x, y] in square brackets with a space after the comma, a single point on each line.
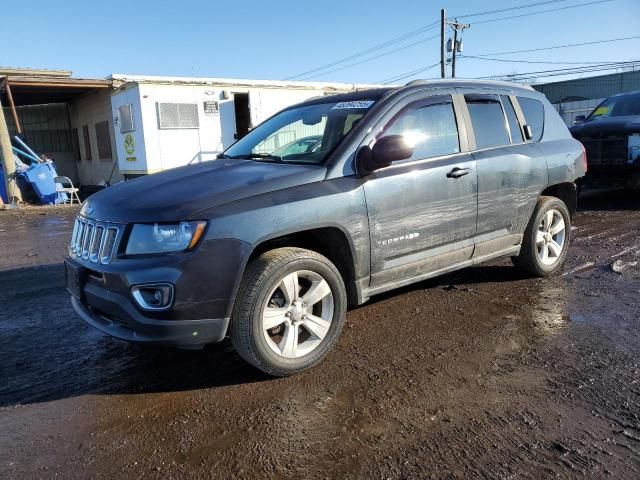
[488, 121]
[514, 126]
[533, 112]
[430, 129]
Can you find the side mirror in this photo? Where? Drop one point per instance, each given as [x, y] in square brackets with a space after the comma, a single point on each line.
[385, 151]
[579, 119]
[528, 132]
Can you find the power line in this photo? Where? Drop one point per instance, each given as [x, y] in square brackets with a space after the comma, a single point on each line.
[513, 60]
[369, 50]
[308, 74]
[412, 34]
[611, 40]
[563, 71]
[542, 11]
[408, 74]
[595, 42]
[508, 9]
[372, 58]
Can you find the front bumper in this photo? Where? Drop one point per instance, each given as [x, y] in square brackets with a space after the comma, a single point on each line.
[114, 315]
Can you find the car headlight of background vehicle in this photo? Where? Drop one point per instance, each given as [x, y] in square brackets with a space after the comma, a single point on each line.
[164, 237]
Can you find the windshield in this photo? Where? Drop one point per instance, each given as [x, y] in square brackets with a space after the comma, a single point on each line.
[617, 107]
[305, 134]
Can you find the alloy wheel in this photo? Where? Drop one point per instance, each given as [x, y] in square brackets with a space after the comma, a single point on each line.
[550, 237]
[298, 314]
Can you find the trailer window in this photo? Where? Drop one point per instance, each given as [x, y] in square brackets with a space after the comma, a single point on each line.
[125, 117]
[178, 115]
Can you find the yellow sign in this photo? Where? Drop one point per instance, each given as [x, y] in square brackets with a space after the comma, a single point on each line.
[131, 159]
[129, 145]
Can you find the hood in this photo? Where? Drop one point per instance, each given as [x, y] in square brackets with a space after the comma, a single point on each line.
[180, 193]
[607, 126]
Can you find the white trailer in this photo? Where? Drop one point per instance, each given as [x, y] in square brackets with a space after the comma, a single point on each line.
[166, 122]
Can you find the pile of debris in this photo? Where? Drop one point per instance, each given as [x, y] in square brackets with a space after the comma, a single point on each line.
[35, 177]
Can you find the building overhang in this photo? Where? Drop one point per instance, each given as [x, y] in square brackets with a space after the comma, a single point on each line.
[37, 90]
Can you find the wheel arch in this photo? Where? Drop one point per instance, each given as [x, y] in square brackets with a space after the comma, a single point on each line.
[329, 241]
[566, 192]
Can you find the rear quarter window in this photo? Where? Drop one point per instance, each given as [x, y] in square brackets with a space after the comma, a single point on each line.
[533, 111]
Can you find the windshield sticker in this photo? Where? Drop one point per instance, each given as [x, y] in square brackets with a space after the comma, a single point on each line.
[353, 104]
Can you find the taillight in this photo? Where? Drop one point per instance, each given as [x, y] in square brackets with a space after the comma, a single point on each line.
[585, 163]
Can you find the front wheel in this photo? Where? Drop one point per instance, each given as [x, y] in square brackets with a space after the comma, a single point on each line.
[546, 238]
[289, 311]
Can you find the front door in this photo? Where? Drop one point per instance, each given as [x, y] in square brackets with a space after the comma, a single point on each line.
[422, 211]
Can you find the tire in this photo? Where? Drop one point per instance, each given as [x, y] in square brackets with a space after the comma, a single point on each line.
[538, 237]
[273, 331]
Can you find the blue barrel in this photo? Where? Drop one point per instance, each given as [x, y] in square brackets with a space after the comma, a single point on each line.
[41, 179]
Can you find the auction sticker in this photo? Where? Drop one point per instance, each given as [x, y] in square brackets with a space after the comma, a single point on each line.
[353, 104]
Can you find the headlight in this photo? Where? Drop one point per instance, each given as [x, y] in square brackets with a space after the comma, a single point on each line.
[164, 237]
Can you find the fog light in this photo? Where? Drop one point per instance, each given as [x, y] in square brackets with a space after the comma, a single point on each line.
[156, 296]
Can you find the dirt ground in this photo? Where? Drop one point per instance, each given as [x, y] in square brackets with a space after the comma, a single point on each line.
[480, 374]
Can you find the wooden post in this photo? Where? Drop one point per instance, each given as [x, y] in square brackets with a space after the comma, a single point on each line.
[8, 164]
[13, 108]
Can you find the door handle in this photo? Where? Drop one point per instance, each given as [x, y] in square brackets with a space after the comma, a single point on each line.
[458, 172]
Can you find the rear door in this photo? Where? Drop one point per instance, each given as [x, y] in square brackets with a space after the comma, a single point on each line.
[422, 211]
[511, 171]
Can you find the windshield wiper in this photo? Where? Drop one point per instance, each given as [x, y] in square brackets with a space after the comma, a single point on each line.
[263, 157]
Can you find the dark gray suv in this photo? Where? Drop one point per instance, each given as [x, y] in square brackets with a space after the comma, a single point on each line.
[407, 183]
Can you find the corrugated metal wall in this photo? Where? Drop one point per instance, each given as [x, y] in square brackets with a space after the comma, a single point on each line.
[592, 87]
[570, 110]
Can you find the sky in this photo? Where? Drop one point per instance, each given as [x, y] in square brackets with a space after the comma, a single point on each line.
[279, 39]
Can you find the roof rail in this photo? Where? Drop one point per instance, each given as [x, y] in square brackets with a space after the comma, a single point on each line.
[418, 81]
[470, 81]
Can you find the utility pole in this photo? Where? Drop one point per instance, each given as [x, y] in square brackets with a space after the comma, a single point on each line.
[443, 54]
[8, 164]
[457, 27]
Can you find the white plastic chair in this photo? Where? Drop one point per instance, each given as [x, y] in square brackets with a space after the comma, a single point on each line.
[65, 185]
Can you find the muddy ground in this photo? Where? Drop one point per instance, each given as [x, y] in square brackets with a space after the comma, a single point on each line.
[482, 373]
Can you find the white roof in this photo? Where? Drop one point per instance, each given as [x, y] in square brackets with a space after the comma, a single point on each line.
[238, 82]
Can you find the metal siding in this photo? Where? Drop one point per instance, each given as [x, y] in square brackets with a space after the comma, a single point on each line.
[592, 87]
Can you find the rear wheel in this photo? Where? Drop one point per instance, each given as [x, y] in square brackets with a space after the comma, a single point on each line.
[289, 312]
[546, 238]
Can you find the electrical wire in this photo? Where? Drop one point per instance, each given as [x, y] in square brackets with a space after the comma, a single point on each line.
[563, 71]
[380, 46]
[554, 47]
[513, 60]
[541, 11]
[316, 71]
[508, 9]
[372, 58]
[595, 42]
[407, 74]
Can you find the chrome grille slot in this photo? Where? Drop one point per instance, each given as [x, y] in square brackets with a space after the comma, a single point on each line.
[108, 245]
[93, 240]
[88, 236]
[95, 243]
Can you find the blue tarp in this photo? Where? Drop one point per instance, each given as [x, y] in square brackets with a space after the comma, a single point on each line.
[3, 187]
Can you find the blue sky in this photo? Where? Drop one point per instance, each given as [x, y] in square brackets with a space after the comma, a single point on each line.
[279, 39]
